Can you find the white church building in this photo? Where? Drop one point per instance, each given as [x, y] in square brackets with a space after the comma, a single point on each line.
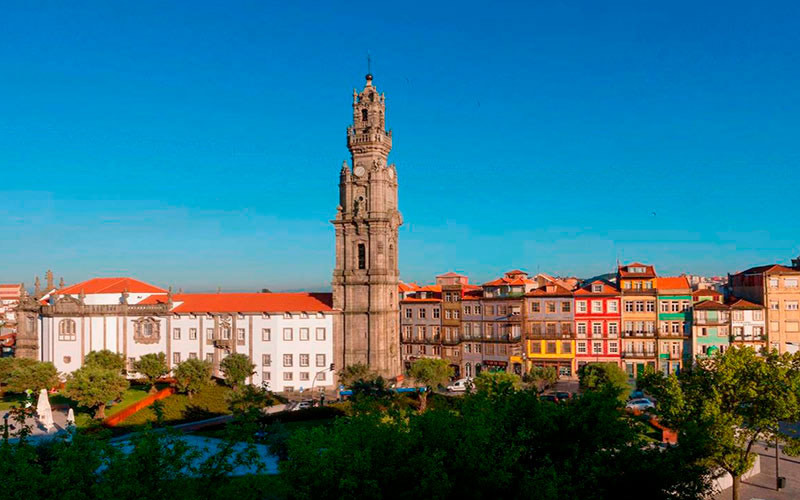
[288, 336]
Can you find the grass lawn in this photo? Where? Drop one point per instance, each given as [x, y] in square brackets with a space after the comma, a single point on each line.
[179, 408]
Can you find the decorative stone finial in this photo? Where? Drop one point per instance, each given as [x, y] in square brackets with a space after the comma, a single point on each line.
[125, 295]
[61, 282]
[49, 276]
[37, 287]
[82, 295]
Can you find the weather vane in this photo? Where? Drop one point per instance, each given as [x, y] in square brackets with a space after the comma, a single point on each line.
[369, 64]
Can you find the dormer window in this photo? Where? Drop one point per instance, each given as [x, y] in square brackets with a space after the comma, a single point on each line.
[597, 288]
[287, 315]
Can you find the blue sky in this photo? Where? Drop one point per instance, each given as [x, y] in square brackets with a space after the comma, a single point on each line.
[198, 144]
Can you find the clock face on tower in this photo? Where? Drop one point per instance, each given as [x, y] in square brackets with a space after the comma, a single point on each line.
[359, 171]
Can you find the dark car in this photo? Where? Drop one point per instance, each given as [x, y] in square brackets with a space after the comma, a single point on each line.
[563, 396]
[549, 397]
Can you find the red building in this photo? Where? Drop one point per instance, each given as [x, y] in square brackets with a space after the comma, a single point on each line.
[598, 320]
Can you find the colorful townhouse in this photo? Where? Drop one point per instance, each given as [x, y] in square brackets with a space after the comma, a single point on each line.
[550, 318]
[710, 328]
[637, 283]
[472, 332]
[674, 295]
[748, 324]
[454, 286]
[777, 289]
[598, 321]
[421, 324]
[502, 305]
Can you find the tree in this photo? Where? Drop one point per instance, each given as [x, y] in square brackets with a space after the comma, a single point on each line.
[8, 365]
[236, 368]
[353, 373]
[34, 376]
[497, 383]
[431, 373]
[594, 376]
[736, 399]
[93, 387]
[152, 366]
[248, 398]
[542, 378]
[105, 359]
[192, 375]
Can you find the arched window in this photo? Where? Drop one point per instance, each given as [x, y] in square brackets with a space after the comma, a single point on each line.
[364, 115]
[66, 329]
[468, 369]
[362, 256]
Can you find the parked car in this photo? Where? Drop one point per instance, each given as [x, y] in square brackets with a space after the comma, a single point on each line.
[640, 404]
[459, 385]
[563, 396]
[549, 397]
[636, 394]
[303, 405]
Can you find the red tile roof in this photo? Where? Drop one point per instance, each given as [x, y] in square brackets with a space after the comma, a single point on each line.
[407, 287]
[608, 289]
[769, 268]
[672, 283]
[706, 293]
[412, 299]
[110, 285]
[736, 303]
[451, 274]
[554, 290]
[649, 271]
[710, 304]
[510, 282]
[10, 291]
[246, 302]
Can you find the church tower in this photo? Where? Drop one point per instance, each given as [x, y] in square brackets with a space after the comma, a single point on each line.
[365, 278]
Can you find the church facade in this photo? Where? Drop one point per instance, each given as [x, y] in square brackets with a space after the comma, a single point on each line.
[295, 340]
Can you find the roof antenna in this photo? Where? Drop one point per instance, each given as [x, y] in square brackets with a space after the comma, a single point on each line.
[369, 64]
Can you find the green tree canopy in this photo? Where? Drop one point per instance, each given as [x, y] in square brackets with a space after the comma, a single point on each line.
[8, 365]
[353, 373]
[541, 378]
[34, 376]
[236, 368]
[105, 359]
[94, 387]
[735, 399]
[595, 376]
[152, 367]
[431, 373]
[192, 375]
[497, 383]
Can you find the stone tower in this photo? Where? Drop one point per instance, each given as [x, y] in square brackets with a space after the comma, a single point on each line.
[365, 278]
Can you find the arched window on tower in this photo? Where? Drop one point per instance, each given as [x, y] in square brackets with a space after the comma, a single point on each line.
[363, 115]
[66, 329]
[362, 256]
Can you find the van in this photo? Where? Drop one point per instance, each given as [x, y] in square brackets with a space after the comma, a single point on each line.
[459, 385]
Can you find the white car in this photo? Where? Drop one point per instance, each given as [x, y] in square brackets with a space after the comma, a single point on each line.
[640, 404]
[459, 385]
[302, 405]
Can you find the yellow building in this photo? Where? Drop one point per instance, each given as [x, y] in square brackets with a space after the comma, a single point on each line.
[637, 283]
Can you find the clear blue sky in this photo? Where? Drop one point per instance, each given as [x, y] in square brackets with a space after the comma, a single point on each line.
[199, 143]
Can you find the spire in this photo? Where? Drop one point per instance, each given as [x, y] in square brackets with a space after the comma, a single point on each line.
[37, 287]
[49, 277]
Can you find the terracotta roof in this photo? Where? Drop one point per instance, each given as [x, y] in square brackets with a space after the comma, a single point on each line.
[407, 287]
[672, 283]
[554, 290]
[510, 282]
[649, 271]
[517, 271]
[736, 303]
[412, 299]
[607, 289]
[769, 268]
[245, 302]
[451, 274]
[431, 288]
[10, 291]
[110, 285]
[706, 293]
[710, 304]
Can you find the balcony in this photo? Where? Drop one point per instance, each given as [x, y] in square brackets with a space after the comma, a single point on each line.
[672, 335]
[550, 335]
[222, 343]
[639, 334]
[748, 338]
[710, 322]
[633, 353]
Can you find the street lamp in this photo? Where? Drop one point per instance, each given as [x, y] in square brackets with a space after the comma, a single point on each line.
[330, 368]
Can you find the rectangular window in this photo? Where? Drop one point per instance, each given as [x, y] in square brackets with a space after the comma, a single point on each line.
[240, 334]
[320, 360]
[409, 313]
[287, 334]
[791, 305]
[774, 305]
[320, 334]
[597, 348]
[639, 306]
[551, 348]
[209, 357]
[467, 310]
[651, 306]
[597, 329]
[613, 306]
[628, 306]
[597, 306]
[266, 334]
[792, 326]
[421, 313]
[551, 307]
[265, 376]
[437, 313]
[582, 329]
[566, 307]
[176, 358]
[320, 375]
[176, 333]
[664, 306]
[192, 333]
[613, 348]
[566, 347]
[536, 348]
[477, 309]
[758, 315]
[304, 360]
[581, 348]
[677, 327]
[287, 360]
[210, 333]
[613, 329]
[266, 360]
[304, 334]
[446, 314]
[362, 256]
[192, 355]
[455, 314]
[288, 376]
[676, 306]
[738, 315]
[790, 282]
[551, 328]
[773, 282]
[304, 376]
[536, 306]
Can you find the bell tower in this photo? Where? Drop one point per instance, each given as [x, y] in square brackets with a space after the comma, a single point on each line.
[365, 277]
